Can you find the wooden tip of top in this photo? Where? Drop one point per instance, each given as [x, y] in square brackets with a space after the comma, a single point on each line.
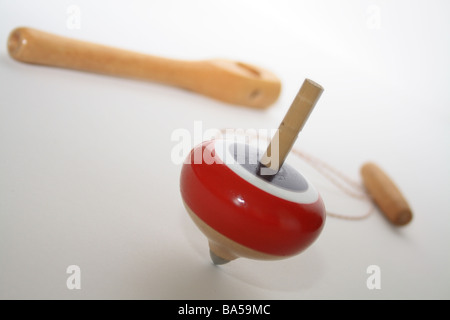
[313, 83]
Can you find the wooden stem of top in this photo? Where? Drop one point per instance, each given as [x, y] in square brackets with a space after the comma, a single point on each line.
[292, 124]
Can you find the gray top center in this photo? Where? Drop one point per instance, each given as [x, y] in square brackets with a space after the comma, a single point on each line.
[287, 177]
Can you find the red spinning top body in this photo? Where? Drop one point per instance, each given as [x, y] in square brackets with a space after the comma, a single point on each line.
[246, 209]
[244, 213]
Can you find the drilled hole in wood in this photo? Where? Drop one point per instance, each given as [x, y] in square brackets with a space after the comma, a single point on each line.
[255, 94]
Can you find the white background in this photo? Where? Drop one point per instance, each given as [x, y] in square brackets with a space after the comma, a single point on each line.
[86, 175]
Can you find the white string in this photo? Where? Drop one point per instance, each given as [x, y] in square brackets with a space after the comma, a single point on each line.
[333, 175]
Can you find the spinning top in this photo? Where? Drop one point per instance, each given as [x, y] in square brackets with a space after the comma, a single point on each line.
[250, 204]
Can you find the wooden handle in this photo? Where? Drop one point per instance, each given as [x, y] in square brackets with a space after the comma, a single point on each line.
[292, 124]
[228, 81]
[386, 194]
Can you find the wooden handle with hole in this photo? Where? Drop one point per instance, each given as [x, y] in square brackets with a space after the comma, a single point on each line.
[386, 194]
[225, 80]
[293, 122]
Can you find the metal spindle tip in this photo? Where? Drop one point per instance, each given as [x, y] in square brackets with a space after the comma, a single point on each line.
[216, 259]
